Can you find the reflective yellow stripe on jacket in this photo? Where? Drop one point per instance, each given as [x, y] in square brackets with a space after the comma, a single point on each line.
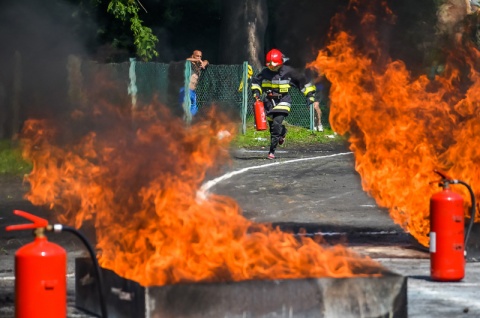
[281, 86]
[282, 106]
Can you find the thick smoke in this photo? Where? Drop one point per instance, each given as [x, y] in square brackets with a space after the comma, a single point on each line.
[36, 37]
[299, 28]
[302, 29]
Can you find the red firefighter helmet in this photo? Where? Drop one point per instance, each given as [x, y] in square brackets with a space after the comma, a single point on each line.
[274, 59]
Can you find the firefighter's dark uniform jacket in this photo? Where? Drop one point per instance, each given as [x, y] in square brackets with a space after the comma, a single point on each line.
[277, 87]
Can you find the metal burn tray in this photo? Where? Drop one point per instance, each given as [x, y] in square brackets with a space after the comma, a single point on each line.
[367, 296]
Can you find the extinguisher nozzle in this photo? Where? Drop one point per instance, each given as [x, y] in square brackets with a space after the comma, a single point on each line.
[56, 228]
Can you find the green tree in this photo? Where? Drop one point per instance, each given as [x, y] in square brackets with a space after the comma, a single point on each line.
[143, 38]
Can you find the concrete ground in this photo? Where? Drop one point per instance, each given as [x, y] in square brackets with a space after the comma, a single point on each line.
[316, 189]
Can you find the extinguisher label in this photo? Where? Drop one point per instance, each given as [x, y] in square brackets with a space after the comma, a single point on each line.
[433, 240]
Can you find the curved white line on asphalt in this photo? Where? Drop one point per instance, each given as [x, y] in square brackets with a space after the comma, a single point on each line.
[206, 186]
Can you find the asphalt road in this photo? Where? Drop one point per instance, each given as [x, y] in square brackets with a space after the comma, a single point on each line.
[316, 189]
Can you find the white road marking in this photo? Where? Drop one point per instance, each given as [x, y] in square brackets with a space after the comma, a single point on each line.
[202, 192]
[336, 196]
[262, 151]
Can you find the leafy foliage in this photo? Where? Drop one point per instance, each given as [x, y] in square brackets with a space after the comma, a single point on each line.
[144, 39]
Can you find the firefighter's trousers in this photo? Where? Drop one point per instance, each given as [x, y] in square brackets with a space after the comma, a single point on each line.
[277, 129]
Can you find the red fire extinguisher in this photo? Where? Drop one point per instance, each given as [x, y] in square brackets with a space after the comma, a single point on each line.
[40, 274]
[260, 117]
[447, 239]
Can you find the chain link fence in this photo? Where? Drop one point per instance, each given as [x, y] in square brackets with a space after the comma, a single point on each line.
[140, 83]
[222, 85]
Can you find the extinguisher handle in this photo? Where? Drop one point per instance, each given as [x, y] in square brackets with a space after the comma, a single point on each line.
[37, 222]
[442, 174]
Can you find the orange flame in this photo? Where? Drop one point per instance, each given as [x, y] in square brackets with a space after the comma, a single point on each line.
[138, 182]
[402, 128]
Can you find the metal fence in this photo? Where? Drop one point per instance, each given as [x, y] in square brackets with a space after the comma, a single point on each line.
[223, 85]
[143, 82]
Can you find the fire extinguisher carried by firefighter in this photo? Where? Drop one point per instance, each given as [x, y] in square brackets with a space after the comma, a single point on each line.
[40, 272]
[447, 239]
[260, 117]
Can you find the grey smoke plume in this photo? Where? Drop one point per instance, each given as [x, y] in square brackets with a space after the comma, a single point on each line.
[36, 38]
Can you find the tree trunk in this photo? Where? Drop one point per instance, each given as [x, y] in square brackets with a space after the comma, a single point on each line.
[243, 32]
[17, 92]
[3, 111]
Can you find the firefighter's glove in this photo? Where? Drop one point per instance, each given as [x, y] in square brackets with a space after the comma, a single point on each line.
[310, 100]
[249, 72]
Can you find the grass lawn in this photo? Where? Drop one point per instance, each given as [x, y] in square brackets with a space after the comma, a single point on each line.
[296, 136]
[11, 161]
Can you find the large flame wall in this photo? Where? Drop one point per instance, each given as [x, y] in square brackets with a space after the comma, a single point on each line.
[137, 179]
[401, 128]
[136, 176]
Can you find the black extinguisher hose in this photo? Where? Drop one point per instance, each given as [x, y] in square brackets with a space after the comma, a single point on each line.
[472, 211]
[60, 228]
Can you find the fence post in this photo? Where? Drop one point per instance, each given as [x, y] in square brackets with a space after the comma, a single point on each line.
[3, 110]
[312, 117]
[76, 92]
[244, 97]
[186, 99]
[17, 93]
[132, 87]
